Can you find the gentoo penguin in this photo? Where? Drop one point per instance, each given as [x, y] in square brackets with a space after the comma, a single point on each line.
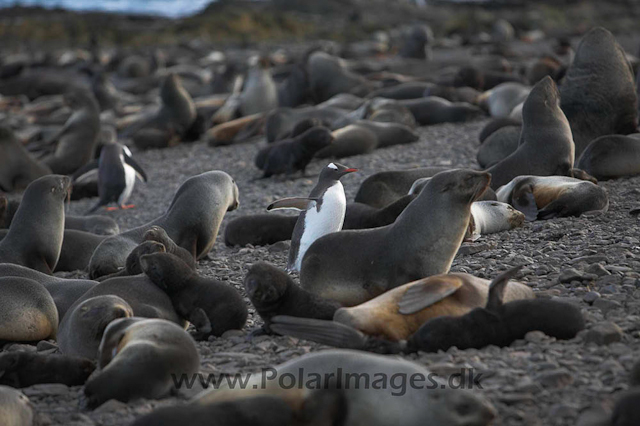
[322, 212]
[116, 171]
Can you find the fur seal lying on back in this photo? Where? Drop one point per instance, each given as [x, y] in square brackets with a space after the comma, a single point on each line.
[546, 145]
[35, 236]
[137, 359]
[361, 264]
[24, 369]
[598, 93]
[370, 405]
[192, 221]
[611, 156]
[213, 307]
[17, 167]
[546, 197]
[27, 311]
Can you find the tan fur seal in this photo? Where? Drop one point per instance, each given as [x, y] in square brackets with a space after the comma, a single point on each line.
[546, 145]
[36, 232]
[15, 408]
[17, 167]
[137, 359]
[611, 156]
[352, 267]
[81, 330]
[28, 313]
[379, 405]
[553, 196]
[77, 140]
[598, 92]
[192, 221]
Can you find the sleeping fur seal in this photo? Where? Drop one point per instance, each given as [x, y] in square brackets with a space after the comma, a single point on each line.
[27, 311]
[24, 369]
[611, 156]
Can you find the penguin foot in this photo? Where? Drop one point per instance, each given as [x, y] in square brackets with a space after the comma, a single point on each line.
[128, 206]
[111, 209]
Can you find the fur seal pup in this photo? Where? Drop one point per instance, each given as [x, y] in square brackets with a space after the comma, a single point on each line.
[273, 292]
[77, 140]
[383, 188]
[322, 212]
[502, 99]
[28, 313]
[546, 145]
[362, 266]
[117, 172]
[35, 236]
[15, 408]
[132, 265]
[434, 110]
[192, 221]
[498, 146]
[159, 235]
[24, 369]
[400, 312]
[329, 76]
[17, 167]
[598, 93]
[611, 157]
[81, 329]
[371, 405]
[290, 155]
[138, 358]
[212, 306]
[546, 197]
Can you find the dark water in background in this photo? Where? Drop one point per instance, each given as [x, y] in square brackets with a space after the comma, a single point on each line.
[172, 8]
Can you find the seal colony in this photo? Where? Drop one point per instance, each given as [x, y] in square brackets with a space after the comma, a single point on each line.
[394, 259]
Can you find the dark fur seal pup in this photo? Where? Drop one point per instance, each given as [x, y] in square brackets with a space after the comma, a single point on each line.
[431, 229]
[77, 140]
[329, 76]
[434, 110]
[36, 232]
[290, 155]
[15, 408]
[192, 221]
[546, 197]
[132, 266]
[368, 405]
[27, 311]
[546, 146]
[598, 92]
[82, 328]
[159, 235]
[138, 358]
[117, 172]
[17, 167]
[280, 122]
[626, 412]
[63, 291]
[273, 292]
[499, 145]
[212, 306]
[24, 369]
[611, 156]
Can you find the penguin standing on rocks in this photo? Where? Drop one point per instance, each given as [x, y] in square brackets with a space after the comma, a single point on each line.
[116, 171]
[322, 212]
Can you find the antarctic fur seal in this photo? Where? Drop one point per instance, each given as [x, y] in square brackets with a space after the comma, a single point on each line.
[24, 369]
[611, 156]
[17, 167]
[28, 313]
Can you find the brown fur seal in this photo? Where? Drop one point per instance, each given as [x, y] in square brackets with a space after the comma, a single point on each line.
[495, 125]
[546, 197]
[546, 145]
[15, 408]
[498, 146]
[137, 359]
[611, 156]
[273, 292]
[371, 405]
[329, 76]
[77, 140]
[36, 232]
[355, 266]
[17, 167]
[598, 92]
[27, 311]
[24, 369]
[81, 329]
[192, 221]
[213, 307]
[434, 110]
[281, 122]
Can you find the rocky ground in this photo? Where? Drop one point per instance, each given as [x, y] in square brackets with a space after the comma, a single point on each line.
[590, 261]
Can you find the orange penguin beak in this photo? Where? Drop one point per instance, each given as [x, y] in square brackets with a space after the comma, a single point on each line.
[350, 170]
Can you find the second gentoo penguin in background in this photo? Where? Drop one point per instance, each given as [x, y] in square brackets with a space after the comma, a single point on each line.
[116, 171]
[322, 212]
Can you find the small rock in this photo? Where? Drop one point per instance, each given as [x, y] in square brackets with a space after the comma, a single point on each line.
[469, 249]
[598, 269]
[279, 247]
[555, 378]
[232, 333]
[591, 297]
[604, 333]
[45, 345]
[110, 406]
[569, 275]
[606, 305]
[535, 336]
[46, 389]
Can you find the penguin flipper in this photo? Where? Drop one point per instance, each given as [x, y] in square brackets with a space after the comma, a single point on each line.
[140, 173]
[294, 203]
[321, 331]
[86, 172]
[426, 292]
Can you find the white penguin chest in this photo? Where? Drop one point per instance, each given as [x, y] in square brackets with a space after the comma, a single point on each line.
[327, 217]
